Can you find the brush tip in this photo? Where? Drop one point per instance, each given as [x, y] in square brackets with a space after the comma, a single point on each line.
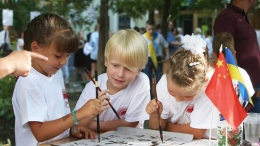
[161, 137]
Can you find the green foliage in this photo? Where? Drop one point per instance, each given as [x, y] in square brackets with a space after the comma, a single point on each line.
[68, 9]
[21, 12]
[204, 4]
[7, 118]
[135, 8]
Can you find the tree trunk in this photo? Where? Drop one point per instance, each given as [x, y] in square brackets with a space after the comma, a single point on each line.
[151, 14]
[164, 25]
[103, 35]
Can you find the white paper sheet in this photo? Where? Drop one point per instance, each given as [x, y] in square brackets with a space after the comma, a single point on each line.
[135, 136]
[7, 17]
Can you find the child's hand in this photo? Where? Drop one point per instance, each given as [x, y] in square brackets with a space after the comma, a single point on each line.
[90, 109]
[83, 132]
[104, 100]
[153, 106]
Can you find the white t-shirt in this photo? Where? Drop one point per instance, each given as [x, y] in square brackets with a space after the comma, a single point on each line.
[160, 42]
[38, 98]
[4, 38]
[199, 112]
[20, 43]
[130, 103]
[94, 44]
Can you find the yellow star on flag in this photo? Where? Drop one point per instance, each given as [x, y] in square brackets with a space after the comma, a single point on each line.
[219, 63]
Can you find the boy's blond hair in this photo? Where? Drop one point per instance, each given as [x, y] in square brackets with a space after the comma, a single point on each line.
[130, 47]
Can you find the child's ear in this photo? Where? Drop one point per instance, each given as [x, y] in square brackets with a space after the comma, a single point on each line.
[140, 70]
[34, 46]
[105, 61]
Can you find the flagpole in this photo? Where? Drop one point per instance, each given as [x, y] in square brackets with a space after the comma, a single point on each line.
[210, 131]
[226, 135]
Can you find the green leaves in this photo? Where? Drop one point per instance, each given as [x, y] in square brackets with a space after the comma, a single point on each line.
[7, 118]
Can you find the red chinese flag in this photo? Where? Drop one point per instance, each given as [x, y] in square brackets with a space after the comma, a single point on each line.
[221, 92]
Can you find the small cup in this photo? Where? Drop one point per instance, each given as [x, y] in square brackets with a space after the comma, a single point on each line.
[227, 136]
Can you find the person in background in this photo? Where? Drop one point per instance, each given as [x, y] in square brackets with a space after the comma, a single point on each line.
[94, 53]
[246, 46]
[80, 60]
[66, 73]
[256, 24]
[156, 44]
[226, 40]
[180, 33]
[20, 42]
[87, 50]
[136, 28]
[5, 44]
[173, 43]
[208, 38]
[198, 32]
[142, 30]
[175, 33]
[158, 28]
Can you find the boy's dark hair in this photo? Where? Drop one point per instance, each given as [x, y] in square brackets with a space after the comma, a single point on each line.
[142, 29]
[47, 29]
[150, 22]
[136, 28]
[158, 26]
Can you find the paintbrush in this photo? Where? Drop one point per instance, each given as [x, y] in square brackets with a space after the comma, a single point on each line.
[98, 126]
[87, 72]
[159, 117]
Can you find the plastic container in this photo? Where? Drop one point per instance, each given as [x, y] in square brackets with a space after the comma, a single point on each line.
[252, 127]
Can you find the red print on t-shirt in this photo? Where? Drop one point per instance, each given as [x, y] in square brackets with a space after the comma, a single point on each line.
[189, 110]
[122, 112]
[65, 97]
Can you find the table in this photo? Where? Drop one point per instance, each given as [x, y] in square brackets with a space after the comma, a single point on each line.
[61, 141]
[202, 142]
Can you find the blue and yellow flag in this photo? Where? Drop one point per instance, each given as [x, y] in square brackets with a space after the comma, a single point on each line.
[235, 74]
[152, 48]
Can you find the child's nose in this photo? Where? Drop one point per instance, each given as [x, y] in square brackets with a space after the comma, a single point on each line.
[63, 60]
[121, 72]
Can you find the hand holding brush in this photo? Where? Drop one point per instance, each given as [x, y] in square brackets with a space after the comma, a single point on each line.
[88, 73]
[158, 112]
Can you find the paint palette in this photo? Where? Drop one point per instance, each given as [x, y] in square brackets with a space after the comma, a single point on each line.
[125, 136]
